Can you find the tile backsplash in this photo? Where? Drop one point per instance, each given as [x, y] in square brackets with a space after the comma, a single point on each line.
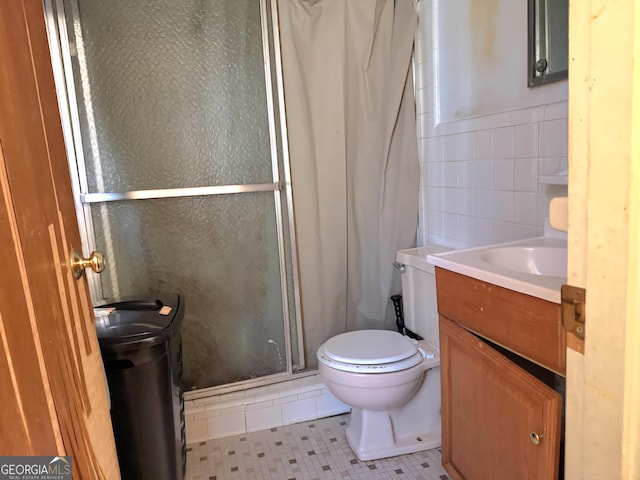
[480, 177]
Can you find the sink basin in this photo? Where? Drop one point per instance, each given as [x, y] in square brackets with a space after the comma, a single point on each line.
[549, 261]
[533, 266]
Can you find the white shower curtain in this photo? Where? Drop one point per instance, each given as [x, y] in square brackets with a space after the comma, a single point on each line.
[354, 158]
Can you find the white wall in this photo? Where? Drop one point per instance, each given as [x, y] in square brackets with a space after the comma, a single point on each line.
[485, 138]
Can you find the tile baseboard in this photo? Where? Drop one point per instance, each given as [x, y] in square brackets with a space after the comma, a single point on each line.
[261, 408]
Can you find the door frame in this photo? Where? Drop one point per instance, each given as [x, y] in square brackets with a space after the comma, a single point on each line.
[603, 386]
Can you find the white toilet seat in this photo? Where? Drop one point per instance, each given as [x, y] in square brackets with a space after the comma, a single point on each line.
[369, 351]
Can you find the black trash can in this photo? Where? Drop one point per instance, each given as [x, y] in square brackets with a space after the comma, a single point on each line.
[142, 352]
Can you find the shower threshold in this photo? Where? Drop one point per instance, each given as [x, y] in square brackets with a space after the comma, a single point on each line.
[302, 397]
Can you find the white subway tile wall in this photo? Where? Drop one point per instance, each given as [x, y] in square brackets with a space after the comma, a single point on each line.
[480, 175]
[260, 408]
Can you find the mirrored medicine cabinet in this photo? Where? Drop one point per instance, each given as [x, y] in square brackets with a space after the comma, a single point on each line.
[548, 41]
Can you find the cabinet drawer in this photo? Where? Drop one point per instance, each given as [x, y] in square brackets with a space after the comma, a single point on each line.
[528, 326]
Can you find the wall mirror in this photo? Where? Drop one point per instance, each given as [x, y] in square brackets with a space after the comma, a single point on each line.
[548, 41]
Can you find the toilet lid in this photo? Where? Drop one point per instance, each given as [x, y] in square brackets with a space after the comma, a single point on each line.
[369, 351]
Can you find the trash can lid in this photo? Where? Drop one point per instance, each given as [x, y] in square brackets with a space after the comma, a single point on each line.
[138, 321]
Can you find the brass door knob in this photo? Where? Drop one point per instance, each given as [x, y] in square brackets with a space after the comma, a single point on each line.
[535, 438]
[95, 262]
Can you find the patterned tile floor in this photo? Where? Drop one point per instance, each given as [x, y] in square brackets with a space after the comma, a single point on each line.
[312, 450]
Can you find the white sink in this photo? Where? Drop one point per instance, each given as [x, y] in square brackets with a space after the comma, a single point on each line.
[549, 261]
[534, 266]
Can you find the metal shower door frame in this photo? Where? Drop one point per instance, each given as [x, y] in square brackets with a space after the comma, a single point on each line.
[61, 55]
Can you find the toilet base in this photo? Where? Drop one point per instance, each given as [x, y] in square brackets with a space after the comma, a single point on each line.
[371, 435]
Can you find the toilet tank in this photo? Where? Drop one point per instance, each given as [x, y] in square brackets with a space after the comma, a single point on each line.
[419, 291]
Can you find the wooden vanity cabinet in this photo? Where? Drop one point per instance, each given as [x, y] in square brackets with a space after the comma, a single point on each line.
[498, 420]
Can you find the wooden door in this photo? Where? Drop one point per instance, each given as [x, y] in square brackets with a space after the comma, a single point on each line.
[490, 406]
[603, 372]
[53, 392]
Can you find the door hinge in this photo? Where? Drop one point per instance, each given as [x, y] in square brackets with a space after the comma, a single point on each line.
[573, 309]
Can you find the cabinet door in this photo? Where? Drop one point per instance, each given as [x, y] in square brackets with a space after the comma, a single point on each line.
[490, 407]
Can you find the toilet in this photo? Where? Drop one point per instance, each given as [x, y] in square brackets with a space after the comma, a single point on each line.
[391, 382]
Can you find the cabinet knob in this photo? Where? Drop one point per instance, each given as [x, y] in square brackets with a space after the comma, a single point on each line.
[535, 438]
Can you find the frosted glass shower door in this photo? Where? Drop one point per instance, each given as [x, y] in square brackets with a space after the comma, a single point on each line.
[173, 114]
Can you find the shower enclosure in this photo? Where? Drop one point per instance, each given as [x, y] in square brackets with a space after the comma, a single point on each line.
[174, 124]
